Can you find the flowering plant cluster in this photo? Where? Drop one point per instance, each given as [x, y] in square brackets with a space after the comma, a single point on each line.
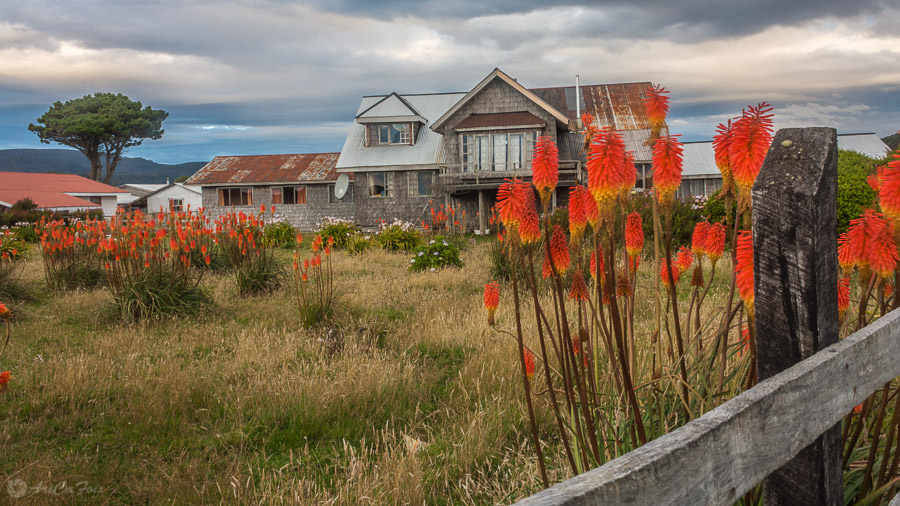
[11, 251]
[437, 254]
[585, 343]
[71, 254]
[241, 236]
[398, 235]
[447, 220]
[339, 230]
[313, 282]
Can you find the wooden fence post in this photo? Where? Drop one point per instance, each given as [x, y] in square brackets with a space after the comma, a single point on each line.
[795, 272]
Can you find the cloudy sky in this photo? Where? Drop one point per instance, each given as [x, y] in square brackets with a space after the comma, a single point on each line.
[278, 76]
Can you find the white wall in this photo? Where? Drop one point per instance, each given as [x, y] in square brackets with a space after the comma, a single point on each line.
[176, 191]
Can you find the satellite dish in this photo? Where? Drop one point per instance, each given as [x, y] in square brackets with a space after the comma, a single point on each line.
[341, 185]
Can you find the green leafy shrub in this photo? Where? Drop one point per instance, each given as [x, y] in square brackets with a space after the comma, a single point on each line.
[714, 208]
[241, 238]
[437, 254]
[341, 231]
[853, 194]
[398, 236]
[359, 243]
[279, 233]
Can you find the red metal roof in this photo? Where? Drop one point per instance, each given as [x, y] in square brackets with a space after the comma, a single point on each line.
[498, 119]
[620, 106]
[50, 190]
[309, 167]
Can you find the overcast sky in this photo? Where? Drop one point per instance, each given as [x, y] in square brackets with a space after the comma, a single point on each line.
[255, 77]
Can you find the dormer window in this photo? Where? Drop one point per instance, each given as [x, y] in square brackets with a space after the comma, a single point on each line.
[385, 134]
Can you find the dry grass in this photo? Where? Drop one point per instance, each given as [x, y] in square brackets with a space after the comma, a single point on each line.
[244, 405]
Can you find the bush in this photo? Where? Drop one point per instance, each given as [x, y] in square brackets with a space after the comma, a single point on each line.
[240, 237]
[313, 285]
[714, 208]
[262, 274]
[853, 194]
[437, 254]
[279, 233]
[341, 231]
[149, 267]
[359, 244]
[398, 236]
[70, 253]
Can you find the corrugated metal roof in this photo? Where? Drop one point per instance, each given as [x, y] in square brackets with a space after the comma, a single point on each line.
[571, 144]
[700, 158]
[309, 167]
[427, 151]
[620, 106]
[867, 144]
[521, 118]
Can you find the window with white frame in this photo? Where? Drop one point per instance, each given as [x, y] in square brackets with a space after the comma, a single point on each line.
[289, 195]
[497, 151]
[380, 184]
[390, 133]
[420, 182]
[176, 205]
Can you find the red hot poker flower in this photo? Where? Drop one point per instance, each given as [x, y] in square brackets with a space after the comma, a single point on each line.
[577, 212]
[5, 376]
[529, 363]
[721, 144]
[843, 296]
[606, 171]
[664, 271]
[595, 269]
[545, 168]
[510, 205]
[698, 238]
[3, 309]
[667, 165]
[657, 104]
[559, 250]
[715, 242]
[870, 244]
[634, 234]
[744, 269]
[529, 226]
[684, 259]
[751, 137]
[491, 300]
[579, 290]
[889, 189]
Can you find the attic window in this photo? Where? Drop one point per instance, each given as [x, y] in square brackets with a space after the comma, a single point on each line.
[386, 134]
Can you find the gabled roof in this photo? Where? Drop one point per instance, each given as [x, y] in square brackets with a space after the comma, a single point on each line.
[499, 119]
[439, 124]
[619, 106]
[51, 191]
[393, 107]
[426, 152]
[190, 188]
[867, 144]
[266, 169]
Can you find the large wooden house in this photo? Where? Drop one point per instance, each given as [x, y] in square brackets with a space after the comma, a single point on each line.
[412, 151]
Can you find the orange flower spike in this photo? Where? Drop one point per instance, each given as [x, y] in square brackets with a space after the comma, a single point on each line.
[529, 364]
[889, 189]
[559, 250]
[591, 213]
[698, 238]
[545, 168]
[751, 137]
[491, 300]
[577, 213]
[721, 143]
[685, 259]
[579, 289]
[629, 175]
[657, 104]
[3, 309]
[882, 251]
[744, 269]
[843, 296]
[667, 166]
[510, 205]
[529, 227]
[606, 172]
[546, 271]
[597, 268]
[664, 274]
[715, 242]
[634, 234]
[5, 376]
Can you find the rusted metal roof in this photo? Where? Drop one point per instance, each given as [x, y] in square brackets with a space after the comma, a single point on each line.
[308, 167]
[498, 119]
[620, 106]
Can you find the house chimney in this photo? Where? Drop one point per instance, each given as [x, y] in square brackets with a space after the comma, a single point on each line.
[167, 181]
[578, 122]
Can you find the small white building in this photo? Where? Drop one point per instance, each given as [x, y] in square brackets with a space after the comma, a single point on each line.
[175, 196]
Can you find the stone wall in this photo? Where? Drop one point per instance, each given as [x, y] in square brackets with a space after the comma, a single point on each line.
[305, 217]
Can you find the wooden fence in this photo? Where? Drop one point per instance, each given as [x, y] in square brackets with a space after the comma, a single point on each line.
[785, 431]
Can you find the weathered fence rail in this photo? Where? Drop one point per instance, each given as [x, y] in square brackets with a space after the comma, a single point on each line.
[783, 430]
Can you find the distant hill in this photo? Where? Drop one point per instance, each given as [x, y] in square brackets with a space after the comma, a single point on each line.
[69, 161]
[892, 141]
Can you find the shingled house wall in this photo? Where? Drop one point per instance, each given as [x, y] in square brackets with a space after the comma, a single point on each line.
[304, 217]
[400, 204]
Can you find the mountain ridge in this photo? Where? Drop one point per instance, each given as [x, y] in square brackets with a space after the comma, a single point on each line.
[70, 161]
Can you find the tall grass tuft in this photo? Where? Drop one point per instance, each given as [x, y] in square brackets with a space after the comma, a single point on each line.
[71, 254]
[313, 284]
